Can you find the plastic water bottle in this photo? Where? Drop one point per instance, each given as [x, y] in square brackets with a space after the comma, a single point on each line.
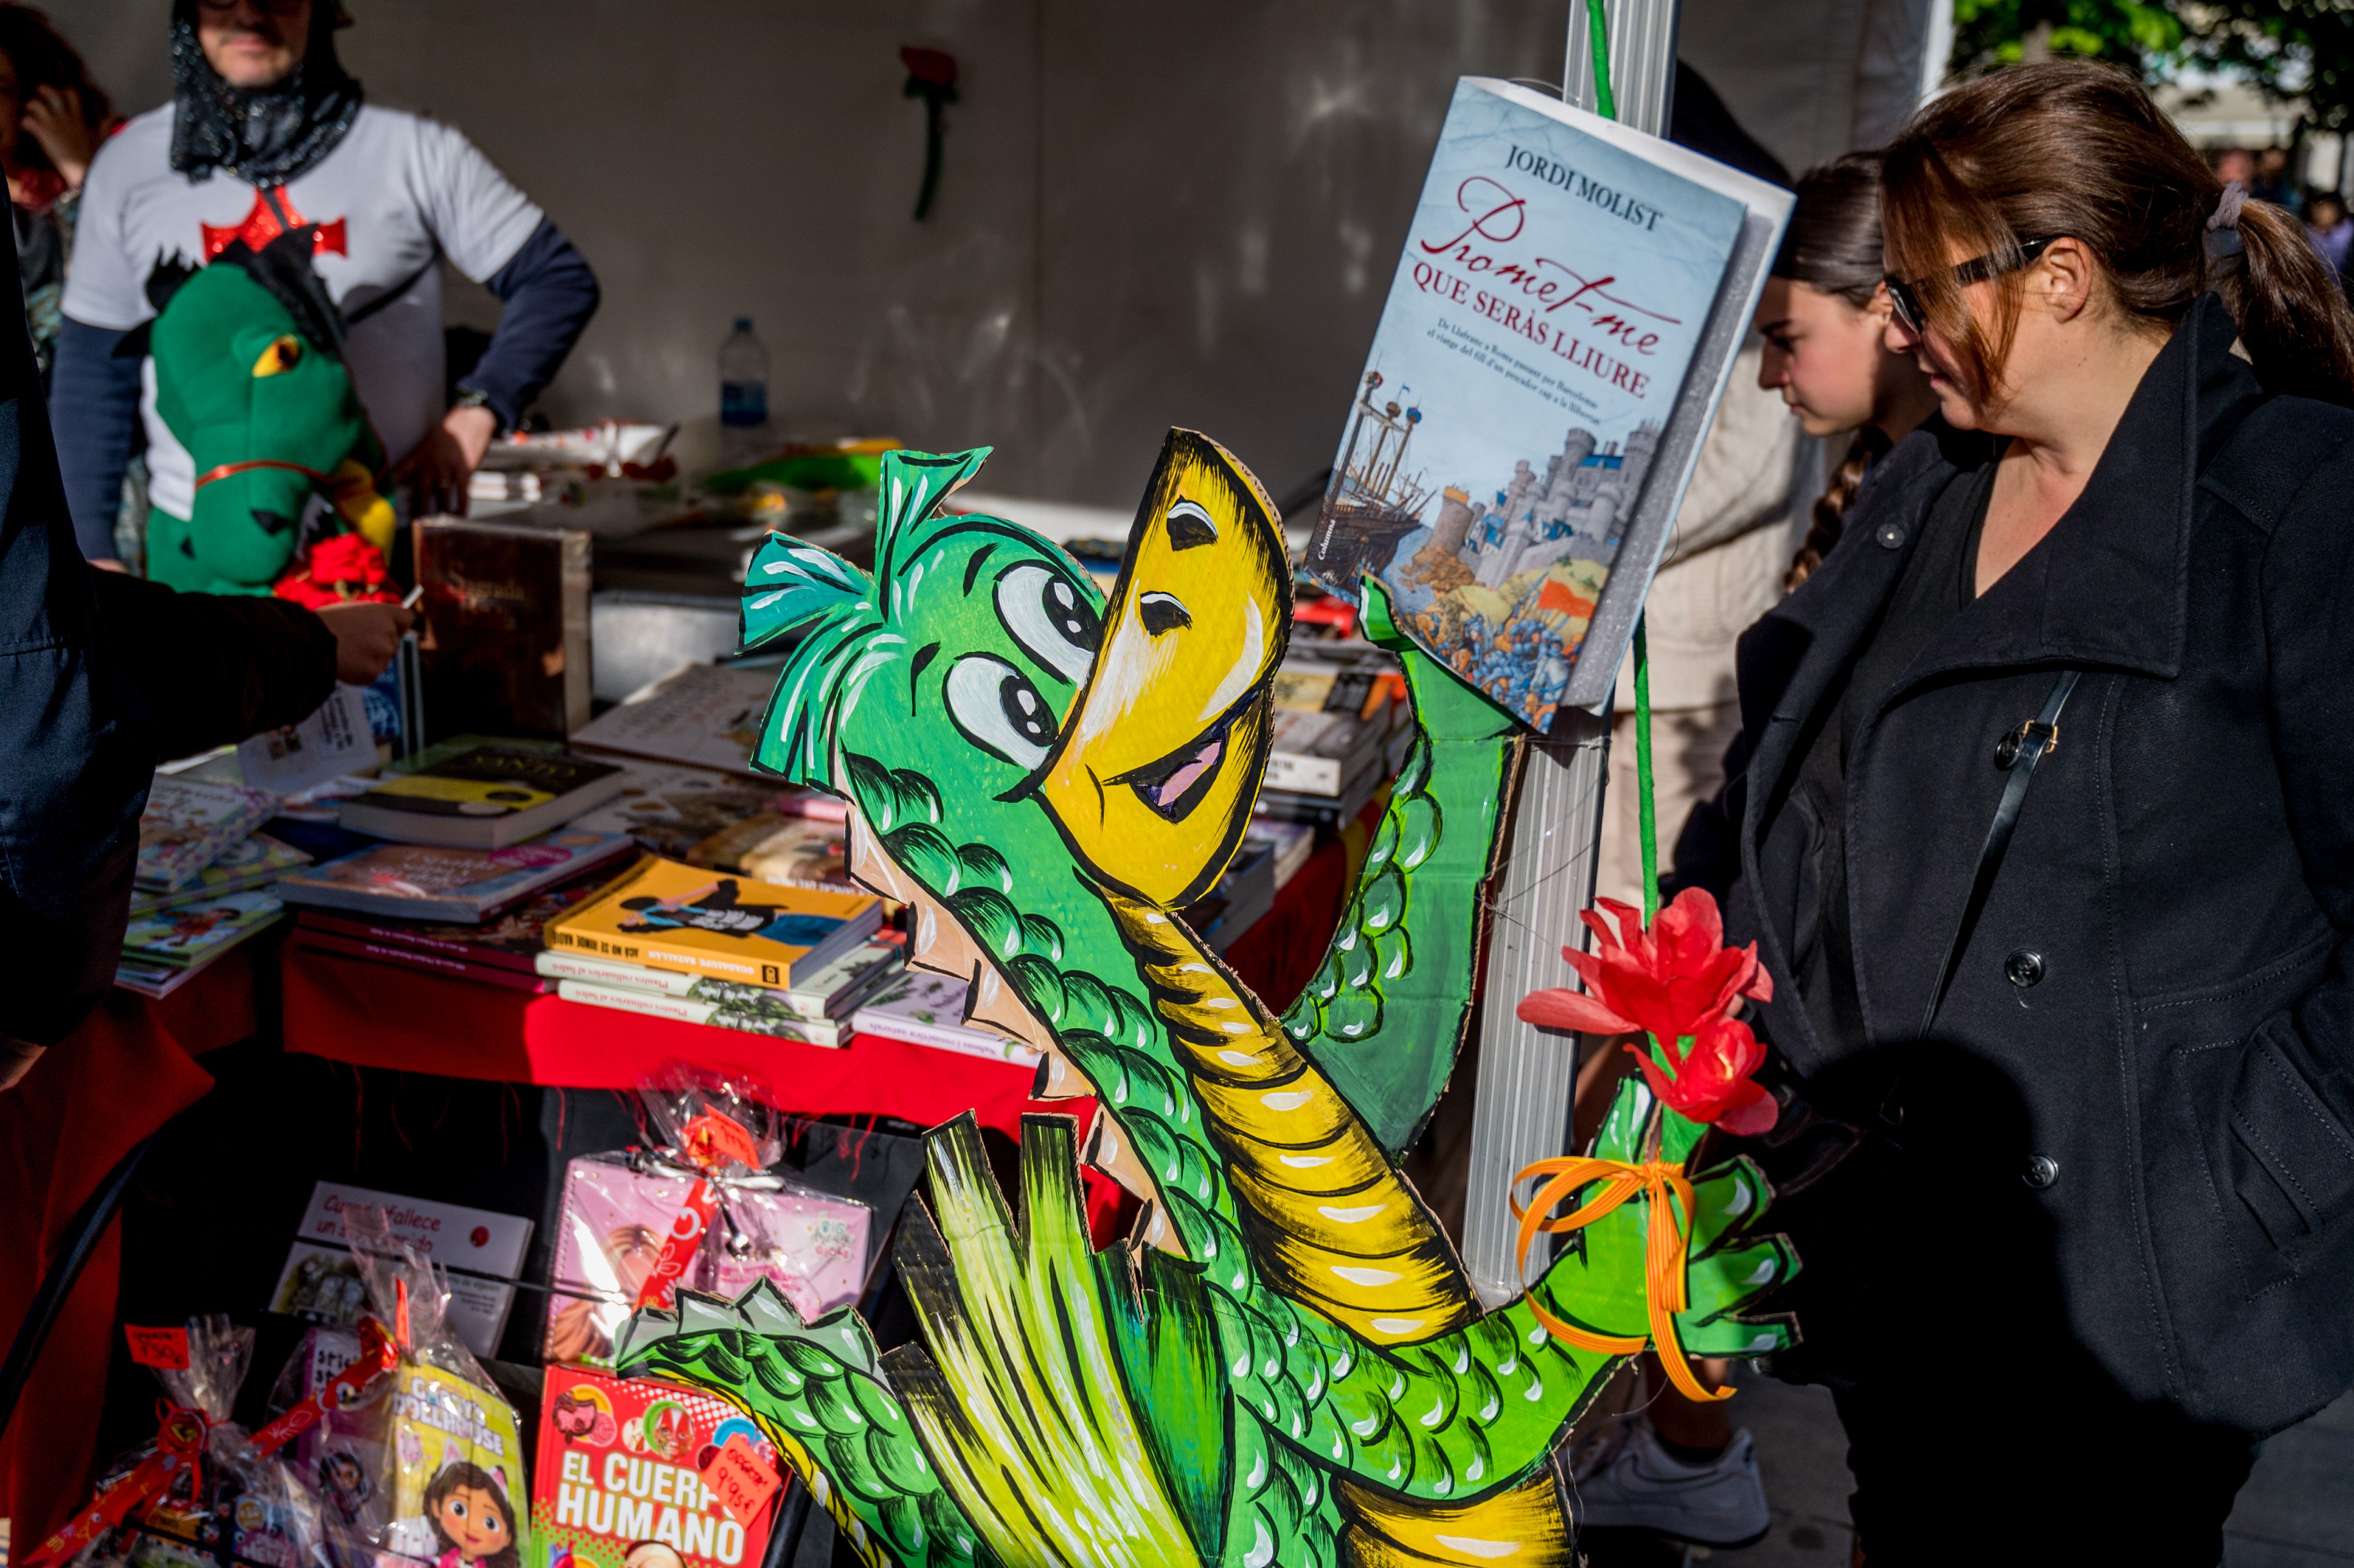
[743, 379]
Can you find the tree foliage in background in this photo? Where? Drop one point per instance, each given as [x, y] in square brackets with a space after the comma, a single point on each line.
[2291, 50]
[2144, 37]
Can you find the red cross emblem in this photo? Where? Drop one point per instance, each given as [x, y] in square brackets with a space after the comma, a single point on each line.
[262, 225]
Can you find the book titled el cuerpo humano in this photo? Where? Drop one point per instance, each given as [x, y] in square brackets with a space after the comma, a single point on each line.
[1524, 428]
[693, 921]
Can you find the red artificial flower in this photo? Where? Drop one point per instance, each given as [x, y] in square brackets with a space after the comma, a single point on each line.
[1679, 983]
[344, 569]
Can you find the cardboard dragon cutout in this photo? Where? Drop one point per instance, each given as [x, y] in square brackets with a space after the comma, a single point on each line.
[1289, 1365]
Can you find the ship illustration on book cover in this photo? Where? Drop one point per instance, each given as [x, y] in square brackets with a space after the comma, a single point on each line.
[1549, 301]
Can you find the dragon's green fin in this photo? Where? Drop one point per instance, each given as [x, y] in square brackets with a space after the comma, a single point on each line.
[1168, 1340]
[1386, 1011]
[1021, 1402]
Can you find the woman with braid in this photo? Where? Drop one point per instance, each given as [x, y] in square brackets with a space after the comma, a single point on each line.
[1823, 317]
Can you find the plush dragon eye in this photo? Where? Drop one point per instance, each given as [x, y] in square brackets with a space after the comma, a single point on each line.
[999, 711]
[1049, 618]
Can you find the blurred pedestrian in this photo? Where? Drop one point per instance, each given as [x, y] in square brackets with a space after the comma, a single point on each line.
[2331, 231]
[52, 118]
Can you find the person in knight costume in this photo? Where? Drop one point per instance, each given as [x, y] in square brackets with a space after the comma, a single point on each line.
[268, 134]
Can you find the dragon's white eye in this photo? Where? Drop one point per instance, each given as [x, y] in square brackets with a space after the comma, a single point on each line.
[1050, 619]
[999, 710]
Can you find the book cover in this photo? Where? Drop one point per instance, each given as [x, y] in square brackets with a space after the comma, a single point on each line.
[688, 1010]
[1315, 752]
[706, 716]
[465, 885]
[798, 851]
[510, 940]
[828, 993]
[1526, 389]
[617, 1481]
[687, 917]
[194, 933]
[319, 1281]
[670, 810]
[485, 797]
[610, 1229]
[256, 860]
[1293, 844]
[502, 637]
[189, 824]
[927, 1009]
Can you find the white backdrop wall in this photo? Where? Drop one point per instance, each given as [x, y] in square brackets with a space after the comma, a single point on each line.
[1147, 216]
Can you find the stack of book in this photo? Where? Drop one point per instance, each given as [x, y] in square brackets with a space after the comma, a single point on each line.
[369, 906]
[680, 941]
[202, 884]
[920, 1007]
[487, 796]
[1341, 730]
[1242, 895]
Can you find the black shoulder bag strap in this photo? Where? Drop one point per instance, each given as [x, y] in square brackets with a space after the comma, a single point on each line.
[2018, 753]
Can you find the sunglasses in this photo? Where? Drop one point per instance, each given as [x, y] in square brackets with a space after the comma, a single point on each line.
[1994, 264]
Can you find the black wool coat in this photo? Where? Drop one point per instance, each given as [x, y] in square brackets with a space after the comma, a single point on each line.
[2129, 1142]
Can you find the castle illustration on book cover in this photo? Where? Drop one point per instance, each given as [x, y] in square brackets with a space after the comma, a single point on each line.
[1545, 310]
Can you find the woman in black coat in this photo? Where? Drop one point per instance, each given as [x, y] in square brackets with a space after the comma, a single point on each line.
[2098, 1238]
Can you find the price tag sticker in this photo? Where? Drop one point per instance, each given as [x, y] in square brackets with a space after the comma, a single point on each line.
[737, 1477]
[715, 1136]
[166, 1348]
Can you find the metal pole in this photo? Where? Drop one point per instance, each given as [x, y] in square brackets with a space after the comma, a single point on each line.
[1527, 1080]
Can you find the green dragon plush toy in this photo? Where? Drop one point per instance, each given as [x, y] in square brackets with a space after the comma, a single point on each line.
[1287, 1365]
[249, 379]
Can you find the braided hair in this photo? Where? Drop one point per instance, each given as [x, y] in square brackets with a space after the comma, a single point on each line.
[1833, 246]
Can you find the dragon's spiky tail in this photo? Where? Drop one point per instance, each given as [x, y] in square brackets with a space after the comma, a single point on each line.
[816, 1390]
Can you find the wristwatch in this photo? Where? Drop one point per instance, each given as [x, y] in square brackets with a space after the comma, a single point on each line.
[475, 397]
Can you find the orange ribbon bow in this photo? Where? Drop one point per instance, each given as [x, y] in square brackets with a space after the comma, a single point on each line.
[1666, 1245]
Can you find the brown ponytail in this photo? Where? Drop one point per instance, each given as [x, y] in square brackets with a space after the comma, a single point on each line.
[2069, 147]
[1870, 445]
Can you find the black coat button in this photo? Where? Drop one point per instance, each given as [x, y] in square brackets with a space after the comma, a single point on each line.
[1890, 536]
[2006, 750]
[2042, 1171]
[2023, 968]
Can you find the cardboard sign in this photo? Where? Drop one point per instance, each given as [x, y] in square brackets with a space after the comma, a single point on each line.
[164, 1348]
[737, 1477]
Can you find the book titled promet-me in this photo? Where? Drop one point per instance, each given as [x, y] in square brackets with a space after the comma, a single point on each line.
[1555, 341]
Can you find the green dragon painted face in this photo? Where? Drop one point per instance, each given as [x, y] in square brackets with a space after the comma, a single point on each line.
[269, 416]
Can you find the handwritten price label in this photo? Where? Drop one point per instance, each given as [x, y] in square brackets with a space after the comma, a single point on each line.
[737, 1477]
[715, 1136]
[166, 1348]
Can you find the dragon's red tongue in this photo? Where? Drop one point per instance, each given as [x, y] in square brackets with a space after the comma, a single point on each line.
[1173, 789]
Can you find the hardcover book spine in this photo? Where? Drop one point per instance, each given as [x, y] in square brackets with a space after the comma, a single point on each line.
[416, 959]
[964, 1044]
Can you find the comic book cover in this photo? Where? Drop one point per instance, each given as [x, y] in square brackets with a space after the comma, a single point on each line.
[618, 1482]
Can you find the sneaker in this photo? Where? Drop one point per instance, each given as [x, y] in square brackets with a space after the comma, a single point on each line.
[1634, 1484]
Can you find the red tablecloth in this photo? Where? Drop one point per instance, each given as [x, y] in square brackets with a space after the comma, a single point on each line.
[125, 1073]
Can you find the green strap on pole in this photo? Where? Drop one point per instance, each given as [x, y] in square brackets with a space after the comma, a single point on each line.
[1605, 104]
[1646, 804]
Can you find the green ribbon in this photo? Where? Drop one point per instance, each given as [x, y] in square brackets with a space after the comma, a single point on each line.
[1605, 104]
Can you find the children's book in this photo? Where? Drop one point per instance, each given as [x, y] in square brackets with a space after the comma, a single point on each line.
[191, 822]
[487, 797]
[257, 860]
[320, 1282]
[619, 1478]
[831, 991]
[1557, 333]
[688, 918]
[706, 716]
[196, 933]
[926, 1009]
[465, 885]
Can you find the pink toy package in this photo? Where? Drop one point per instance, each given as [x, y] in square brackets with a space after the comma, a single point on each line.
[619, 1210]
